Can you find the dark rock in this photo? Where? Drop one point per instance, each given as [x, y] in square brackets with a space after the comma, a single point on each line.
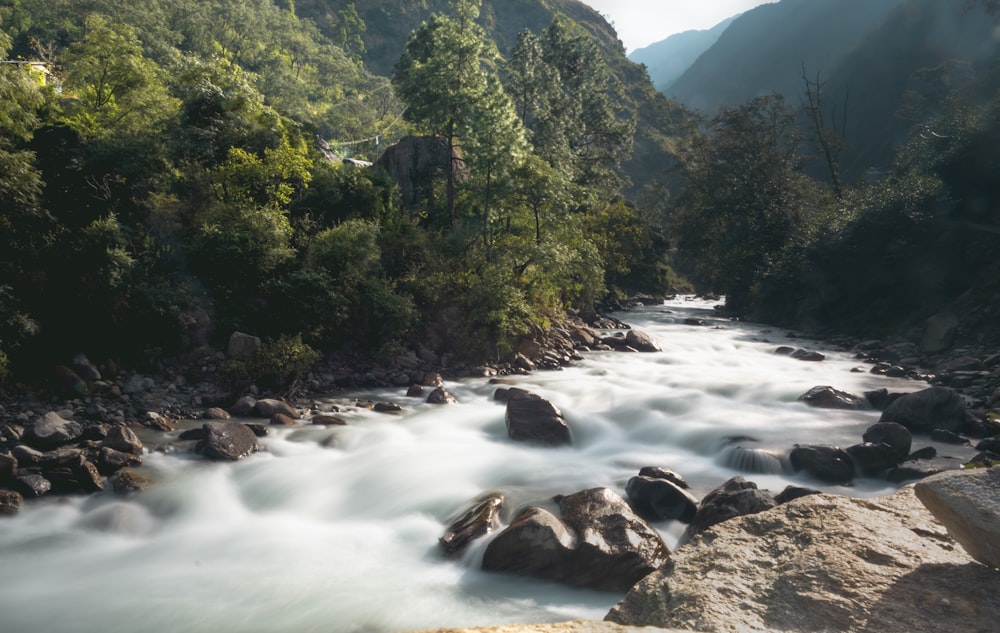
[415, 391]
[85, 369]
[280, 419]
[328, 420]
[825, 463]
[503, 394]
[243, 407]
[879, 398]
[736, 497]
[872, 460]
[641, 341]
[386, 407]
[991, 444]
[694, 321]
[33, 486]
[217, 413]
[536, 543]
[259, 430]
[123, 439]
[784, 350]
[939, 333]
[27, 456]
[441, 396]
[927, 452]
[192, 434]
[157, 421]
[895, 435]
[791, 493]
[126, 482]
[661, 499]
[985, 459]
[947, 437]
[242, 346]
[8, 467]
[533, 419]
[926, 410]
[51, 430]
[227, 441]
[826, 397]
[67, 383]
[657, 472]
[962, 363]
[89, 478]
[911, 471]
[10, 502]
[267, 407]
[808, 356]
[110, 460]
[478, 520]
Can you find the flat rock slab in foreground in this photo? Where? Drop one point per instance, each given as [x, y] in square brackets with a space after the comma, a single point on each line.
[821, 563]
[578, 626]
[968, 504]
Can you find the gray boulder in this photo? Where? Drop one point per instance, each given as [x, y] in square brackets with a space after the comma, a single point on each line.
[821, 563]
[968, 504]
[123, 439]
[51, 430]
[895, 435]
[736, 497]
[268, 407]
[530, 418]
[227, 441]
[825, 463]
[242, 346]
[641, 341]
[928, 409]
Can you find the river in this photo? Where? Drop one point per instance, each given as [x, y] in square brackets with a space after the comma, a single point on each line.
[335, 529]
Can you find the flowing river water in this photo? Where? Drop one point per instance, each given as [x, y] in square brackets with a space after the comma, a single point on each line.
[335, 529]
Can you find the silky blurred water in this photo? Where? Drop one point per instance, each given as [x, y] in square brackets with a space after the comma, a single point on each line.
[335, 529]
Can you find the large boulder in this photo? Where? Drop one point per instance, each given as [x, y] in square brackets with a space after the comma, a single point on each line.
[530, 418]
[598, 542]
[825, 397]
[227, 441]
[895, 435]
[968, 504]
[821, 563]
[939, 333]
[825, 463]
[928, 409]
[242, 346]
[51, 430]
[641, 341]
[268, 407]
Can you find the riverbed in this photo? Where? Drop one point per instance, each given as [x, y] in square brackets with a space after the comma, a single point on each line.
[335, 529]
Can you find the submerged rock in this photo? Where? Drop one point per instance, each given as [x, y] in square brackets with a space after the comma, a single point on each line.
[826, 397]
[820, 563]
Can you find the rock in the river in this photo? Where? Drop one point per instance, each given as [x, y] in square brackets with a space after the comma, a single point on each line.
[10, 502]
[736, 497]
[895, 435]
[826, 463]
[871, 459]
[123, 439]
[441, 396]
[127, 482]
[33, 486]
[968, 504]
[530, 418]
[478, 520]
[826, 397]
[641, 341]
[227, 441]
[599, 543]
[821, 563]
[51, 430]
[324, 419]
[267, 407]
[660, 499]
[928, 409]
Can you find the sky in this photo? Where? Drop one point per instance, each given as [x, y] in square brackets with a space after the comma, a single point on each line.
[642, 22]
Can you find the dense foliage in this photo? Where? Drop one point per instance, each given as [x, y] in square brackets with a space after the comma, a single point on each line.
[177, 176]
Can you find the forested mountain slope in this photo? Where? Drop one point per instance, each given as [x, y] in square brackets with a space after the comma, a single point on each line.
[666, 61]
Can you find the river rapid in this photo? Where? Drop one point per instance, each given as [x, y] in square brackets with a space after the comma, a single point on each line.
[335, 529]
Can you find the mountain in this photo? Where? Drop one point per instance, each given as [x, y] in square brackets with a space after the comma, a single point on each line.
[872, 57]
[667, 60]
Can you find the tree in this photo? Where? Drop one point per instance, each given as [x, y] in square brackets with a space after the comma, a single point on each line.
[743, 198]
[830, 138]
[443, 78]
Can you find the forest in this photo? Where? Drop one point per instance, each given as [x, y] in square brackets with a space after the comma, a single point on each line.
[173, 171]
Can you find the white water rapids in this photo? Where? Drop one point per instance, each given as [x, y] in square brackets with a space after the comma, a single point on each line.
[335, 529]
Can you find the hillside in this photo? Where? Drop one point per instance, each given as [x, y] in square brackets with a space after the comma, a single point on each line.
[389, 23]
[666, 61]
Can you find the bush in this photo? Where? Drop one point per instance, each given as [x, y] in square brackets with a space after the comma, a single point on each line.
[278, 366]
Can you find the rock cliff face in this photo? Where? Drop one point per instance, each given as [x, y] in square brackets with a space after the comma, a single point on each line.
[821, 563]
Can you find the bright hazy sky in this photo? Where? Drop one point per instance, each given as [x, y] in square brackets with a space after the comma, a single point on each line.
[642, 22]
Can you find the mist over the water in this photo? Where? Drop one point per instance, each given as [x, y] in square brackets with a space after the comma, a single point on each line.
[335, 529]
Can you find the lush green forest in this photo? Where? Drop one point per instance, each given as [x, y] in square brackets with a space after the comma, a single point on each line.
[176, 172]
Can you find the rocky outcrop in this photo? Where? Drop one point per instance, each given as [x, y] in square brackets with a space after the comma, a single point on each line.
[598, 542]
[530, 418]
[415, 163]
[968, 504]
[821, 563]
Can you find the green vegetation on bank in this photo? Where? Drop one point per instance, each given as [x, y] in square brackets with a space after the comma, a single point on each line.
[171, 181]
